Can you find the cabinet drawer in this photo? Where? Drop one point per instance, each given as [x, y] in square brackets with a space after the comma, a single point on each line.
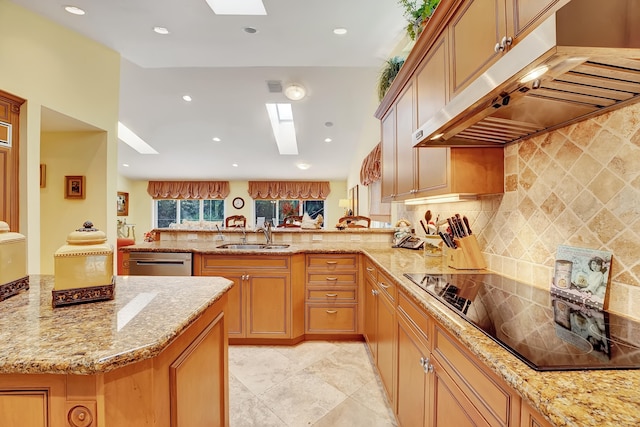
[332, 262]
[331, 319]
[244, 262]
[415, 315]
[370, 270]
[488, 394]
[332, 279]
[332, 295]
[386, 285]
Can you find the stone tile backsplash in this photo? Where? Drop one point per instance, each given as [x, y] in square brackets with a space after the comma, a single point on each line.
[577, 186]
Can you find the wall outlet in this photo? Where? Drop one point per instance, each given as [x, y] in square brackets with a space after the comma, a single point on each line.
[316, 237]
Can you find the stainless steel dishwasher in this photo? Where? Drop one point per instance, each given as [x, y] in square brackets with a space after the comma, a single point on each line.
[160, 264]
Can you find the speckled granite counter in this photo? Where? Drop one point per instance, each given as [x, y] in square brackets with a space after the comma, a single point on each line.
[144, 318]
[566, 398]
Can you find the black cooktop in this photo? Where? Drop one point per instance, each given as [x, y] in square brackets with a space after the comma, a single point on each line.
[546, 332]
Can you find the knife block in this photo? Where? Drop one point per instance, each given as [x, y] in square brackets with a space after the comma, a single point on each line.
[467, 256]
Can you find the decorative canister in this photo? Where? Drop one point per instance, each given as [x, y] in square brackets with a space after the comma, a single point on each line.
[13, 263]
[83, 268]
[562, 275]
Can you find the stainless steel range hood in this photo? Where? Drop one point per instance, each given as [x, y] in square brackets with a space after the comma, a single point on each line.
[592, 51]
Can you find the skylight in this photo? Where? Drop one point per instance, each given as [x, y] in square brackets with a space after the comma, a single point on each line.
[127, 136]
[237, 7]
[281, 117]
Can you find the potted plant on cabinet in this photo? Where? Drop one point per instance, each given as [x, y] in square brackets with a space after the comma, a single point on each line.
[389, 72]
[417, 12]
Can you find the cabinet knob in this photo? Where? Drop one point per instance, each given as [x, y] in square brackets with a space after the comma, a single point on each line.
[500, 47]
[382, 285]
[374, 292]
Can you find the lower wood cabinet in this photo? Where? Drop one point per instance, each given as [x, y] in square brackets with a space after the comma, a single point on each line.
[331, 294]
[379, 329]
[184, 385]
[260, 301]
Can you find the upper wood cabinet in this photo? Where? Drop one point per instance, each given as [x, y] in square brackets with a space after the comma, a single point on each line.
[9, 159]
[405, 153]
[473, 32]
[483, 30]
[388, 178]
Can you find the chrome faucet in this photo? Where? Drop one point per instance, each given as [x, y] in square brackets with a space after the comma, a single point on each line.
[220, 233]
[266, 229]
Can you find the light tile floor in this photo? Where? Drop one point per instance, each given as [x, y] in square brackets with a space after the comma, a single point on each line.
[314, 383]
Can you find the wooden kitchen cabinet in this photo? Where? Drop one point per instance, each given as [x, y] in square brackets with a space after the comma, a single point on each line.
[380, 326]
[260, 303]
[531, 418]
[9, 159]
[479, 27]
[388, 158]
[331, 302]
[405, 153]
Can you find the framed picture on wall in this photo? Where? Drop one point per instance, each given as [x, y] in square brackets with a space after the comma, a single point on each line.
[74, 187]
[353, 198]
[123, 204]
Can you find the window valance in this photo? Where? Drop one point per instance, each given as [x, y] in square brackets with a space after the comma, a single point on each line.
[318, 190]
[370, 170]
[188, 189]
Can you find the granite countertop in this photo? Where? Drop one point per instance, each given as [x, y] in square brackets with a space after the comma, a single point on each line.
[143, 319]
[567, 398]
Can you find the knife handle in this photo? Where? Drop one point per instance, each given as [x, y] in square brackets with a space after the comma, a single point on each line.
[466, 223]
[452, 228]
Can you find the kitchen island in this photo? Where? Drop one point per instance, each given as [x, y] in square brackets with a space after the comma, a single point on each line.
[156, 355]
[565, 398]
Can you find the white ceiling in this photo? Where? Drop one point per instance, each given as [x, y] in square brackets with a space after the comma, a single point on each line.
[226, 70]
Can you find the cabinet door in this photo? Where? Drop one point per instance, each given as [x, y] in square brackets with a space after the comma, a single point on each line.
[388, 163]
[525, 14]
[268, 301]
[386, 342]
[450, 405]
[371, 316]
[235, 306]
[412, 392]
[531, 418]
[405, 153]
[473, 33]
[24, 408]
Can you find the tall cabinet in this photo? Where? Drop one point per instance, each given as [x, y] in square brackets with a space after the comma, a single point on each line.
[9, 159]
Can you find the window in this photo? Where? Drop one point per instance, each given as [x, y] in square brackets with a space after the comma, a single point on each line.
[276, 210]
[176, 211]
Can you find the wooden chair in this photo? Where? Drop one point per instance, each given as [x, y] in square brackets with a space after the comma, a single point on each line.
[235, 221]
[356, 221]
[293, 221]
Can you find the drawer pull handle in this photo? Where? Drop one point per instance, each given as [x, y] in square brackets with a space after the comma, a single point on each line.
[383, 285]
[332, 262]
[332, 311]
[331, 295]
[332, 279]
[369, 269]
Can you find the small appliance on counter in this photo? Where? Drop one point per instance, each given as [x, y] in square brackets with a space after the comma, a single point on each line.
[13, 264]
[83, 268]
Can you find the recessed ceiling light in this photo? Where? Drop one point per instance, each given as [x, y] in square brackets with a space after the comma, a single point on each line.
[235, 165]
[126, 165]
[303, 166]
[328, 140]
[187, 98]
[216, 139]
[249, 30]
[74, 10]
[339, 31]
[161, 30]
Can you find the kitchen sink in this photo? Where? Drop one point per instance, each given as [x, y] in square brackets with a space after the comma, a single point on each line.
[245, 246]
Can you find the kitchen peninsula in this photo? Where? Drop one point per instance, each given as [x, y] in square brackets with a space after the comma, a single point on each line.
[513, 393]
[156, 355]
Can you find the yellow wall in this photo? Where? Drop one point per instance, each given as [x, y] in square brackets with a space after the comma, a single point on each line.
[140, 217]
[70, 153]
[57, 69]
